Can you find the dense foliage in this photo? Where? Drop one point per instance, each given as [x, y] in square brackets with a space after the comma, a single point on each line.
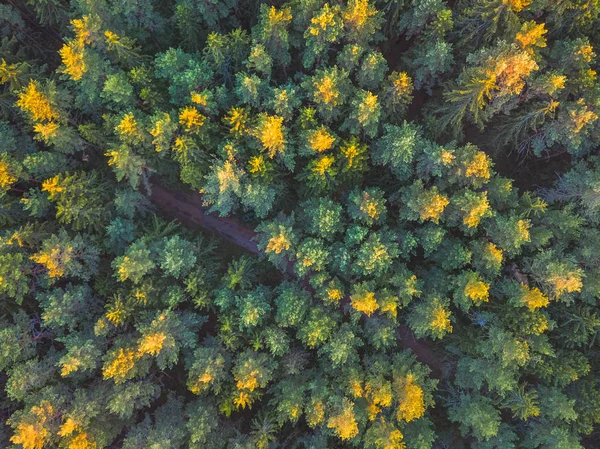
[358, 140]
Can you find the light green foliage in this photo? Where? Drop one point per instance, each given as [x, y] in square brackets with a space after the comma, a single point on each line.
[509, 233]
[431, 317]
[260, 60]
[342, 346]
[375, 246]
[14, 283]
[557, 437]
[209, 369]
[259, 198]
[223, 187]
[431, 60]
[126, 164]
[286, 101]
[254, 307]
[68, 307]
[249, 88]
[477, 415]
[323, 218]
[372, 71]
[177, 256]
[317, 327]
[86, 355]
[272, 33]
[430, 237]
[350, 56]
[202, 422]
[292, 304]
[131, 396]
[276, 340]
[134, 264]
[376, 254]
[290, 401]
[117, 89]
[367, 206]
[366, 112]
[523, 404]
[80, 200]
[396, 149]
[311, 255]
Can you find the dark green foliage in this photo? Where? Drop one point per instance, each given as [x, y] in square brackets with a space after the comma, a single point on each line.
[404, 296]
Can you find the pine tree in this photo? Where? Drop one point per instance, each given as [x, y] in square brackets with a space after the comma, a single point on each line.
[375, 244]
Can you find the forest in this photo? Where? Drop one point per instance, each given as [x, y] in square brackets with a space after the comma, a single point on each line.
[299, 224]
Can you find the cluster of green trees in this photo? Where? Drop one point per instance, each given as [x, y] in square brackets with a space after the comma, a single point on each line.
[342, 133]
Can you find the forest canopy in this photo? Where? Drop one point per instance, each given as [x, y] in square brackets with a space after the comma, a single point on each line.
[246, 224]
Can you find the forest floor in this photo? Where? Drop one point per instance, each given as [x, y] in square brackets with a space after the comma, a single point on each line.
[188, 209]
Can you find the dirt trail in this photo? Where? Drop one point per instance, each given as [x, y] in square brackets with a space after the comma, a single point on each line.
[188, 209]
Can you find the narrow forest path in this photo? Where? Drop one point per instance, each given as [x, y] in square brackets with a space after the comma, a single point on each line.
[187, 207]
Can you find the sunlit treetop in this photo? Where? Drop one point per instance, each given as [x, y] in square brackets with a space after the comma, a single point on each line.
[120, 365]
[278, 244]
[191, 119]
[7, 177]
[32, 432]
[277, 17]
[36, 104]
[270, 131]
[533, 298]
[325, 24]
[128, 126]
[516, 5]
[531, 34]
[237, 119]
[477, 291]
[321, 140]
[361, 19]
[85, 29]
[411, 404]
[342, 420]
[440, 319]
[364, 301]
[72, 55]
[332, 139]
